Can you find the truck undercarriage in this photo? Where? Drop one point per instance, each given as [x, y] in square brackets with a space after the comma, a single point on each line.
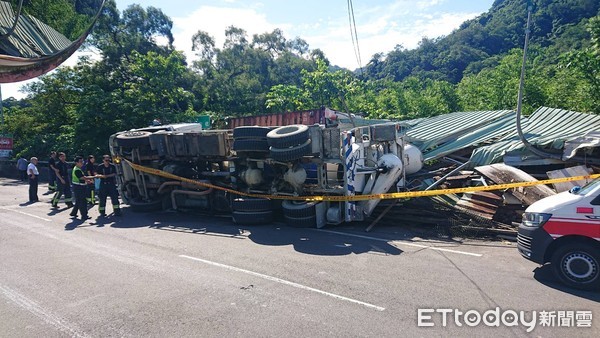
[212, 166]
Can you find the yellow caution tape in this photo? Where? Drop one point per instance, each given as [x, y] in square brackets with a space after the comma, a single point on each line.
[338, 198]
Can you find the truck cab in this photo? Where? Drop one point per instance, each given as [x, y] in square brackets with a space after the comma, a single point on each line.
[564, 230]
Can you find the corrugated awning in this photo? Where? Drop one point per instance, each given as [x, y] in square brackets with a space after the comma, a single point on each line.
[33, 48]
[31, 37]
[546, 128]
[444, 134]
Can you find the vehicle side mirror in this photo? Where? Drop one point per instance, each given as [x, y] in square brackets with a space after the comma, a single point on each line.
[575, 189]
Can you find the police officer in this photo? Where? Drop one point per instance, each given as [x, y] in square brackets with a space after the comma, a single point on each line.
[107, 173]
[79, 181]
[63, 184]
[33, 173]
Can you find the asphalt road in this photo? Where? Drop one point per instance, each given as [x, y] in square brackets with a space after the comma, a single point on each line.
[166, 274]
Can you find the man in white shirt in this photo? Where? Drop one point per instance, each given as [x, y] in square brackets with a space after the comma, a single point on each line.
[33, 173]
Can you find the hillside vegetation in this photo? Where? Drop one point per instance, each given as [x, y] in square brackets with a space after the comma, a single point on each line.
[138, 79]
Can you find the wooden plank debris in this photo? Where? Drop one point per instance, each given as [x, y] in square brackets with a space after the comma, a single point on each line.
[502, 173]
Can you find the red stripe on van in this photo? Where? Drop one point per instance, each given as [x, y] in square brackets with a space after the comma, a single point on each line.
[563, 228]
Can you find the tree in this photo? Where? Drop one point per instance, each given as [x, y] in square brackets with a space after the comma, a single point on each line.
[236, 78]
[586, 64]
[137, 29]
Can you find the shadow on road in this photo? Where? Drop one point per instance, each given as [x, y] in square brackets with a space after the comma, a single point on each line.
[305, 241]
[78, 223]
[544, 275]
[54, 211]
[318, 243]
[12, 182]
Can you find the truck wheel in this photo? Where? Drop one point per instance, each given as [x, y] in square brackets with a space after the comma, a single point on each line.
[251, 204]
[301, 222]
[288, 136]
[290, 154]
[252, 217]
[578, 266]
[251, 145]
[133, 139]
[250, 132]
[298, 209]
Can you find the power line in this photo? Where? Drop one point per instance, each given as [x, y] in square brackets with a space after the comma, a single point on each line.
[353, 34]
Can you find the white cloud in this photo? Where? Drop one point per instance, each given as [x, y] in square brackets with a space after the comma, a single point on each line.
[214, 21]
[381, 28]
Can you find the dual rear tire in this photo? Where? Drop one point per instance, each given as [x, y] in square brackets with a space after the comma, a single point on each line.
[252, 211]
[300, 214]
[289, 143]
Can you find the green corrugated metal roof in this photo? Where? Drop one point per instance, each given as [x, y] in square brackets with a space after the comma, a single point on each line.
[546, 128]
[31, 37]
[446, 130]
[487, 133]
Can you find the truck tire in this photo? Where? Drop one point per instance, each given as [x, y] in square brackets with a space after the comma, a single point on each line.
[250, 145]
[290, 154]
[133, 139]
[301, 222]
[578, 266]
[299, 209]
[251, 204]
[288, 136]
[252, 217]
[250, 132]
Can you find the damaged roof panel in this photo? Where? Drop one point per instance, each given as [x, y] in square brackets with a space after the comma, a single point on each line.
[547, 128]
[494, 130]
[31, 37]
[448, 128]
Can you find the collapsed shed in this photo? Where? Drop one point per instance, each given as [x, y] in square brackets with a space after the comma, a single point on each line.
[483, 148]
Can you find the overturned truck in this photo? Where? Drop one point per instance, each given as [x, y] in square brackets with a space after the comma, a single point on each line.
[278, 162]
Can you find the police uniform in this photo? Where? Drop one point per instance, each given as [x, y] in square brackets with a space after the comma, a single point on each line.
[108, 188]
[62, 188]
[80, 189]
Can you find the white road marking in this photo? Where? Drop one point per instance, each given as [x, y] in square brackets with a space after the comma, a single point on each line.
[39, 312]
[285, 282]
[26, 214]
[402, 243]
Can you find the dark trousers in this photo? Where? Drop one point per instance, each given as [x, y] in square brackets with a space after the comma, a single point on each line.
[53, 179]
[62, 188]
[33, 189]
[108, 189]
[80, 202]
[91, 193]
[22, 175]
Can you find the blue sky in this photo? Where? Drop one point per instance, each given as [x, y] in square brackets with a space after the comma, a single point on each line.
[380, 24]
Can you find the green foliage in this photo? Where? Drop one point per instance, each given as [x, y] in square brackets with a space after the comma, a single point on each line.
[66, 16]
[585, 64]
[236, 78]
[493, 33]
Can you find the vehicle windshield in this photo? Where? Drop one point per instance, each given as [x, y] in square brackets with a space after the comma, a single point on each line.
[589, 187]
